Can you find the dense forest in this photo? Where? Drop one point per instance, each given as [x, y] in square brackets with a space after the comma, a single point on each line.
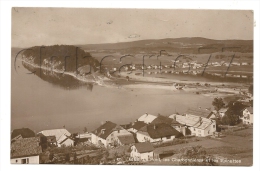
[62, 57]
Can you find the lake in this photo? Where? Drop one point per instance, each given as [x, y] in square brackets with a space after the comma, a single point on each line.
[50, 102]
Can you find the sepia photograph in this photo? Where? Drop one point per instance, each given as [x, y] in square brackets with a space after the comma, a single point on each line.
[131, 86]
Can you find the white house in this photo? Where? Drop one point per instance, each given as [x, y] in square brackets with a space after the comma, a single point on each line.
[142, 151]
[216, 64]
[247, 117]
[198, 126]
[107, 134]
[63, 136]
[235, 63]
[244, 63]
[146, 118]
[26, 151]
[185, 65]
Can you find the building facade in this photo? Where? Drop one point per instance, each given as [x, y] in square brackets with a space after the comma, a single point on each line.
[142, 151]
[247, 117]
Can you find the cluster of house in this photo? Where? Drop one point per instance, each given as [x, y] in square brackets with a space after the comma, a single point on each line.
[27, 149]
[179, 64]
[193, 72]
[145, 130]
[140, 135]
[230, 75]
[247, 116]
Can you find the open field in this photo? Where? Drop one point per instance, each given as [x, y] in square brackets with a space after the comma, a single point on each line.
[230, 147]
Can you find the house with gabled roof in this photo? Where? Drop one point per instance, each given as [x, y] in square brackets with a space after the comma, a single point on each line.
[142, 151]
[26, 151]
[146, 118]
[107, 134]
[247, 117]
[198, 126]
[62, 136]
[161, 132]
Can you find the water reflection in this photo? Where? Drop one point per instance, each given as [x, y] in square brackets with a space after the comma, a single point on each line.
[58, 79]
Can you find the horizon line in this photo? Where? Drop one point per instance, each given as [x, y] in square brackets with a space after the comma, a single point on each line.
[142, 40]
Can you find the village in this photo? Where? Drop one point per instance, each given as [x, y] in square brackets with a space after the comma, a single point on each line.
[150, 139]
[192, 67]
[188, 64]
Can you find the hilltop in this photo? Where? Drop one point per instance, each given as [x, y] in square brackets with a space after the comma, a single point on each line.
[60, 57]
[182, 45]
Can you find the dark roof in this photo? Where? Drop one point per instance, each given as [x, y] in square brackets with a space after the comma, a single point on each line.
[138, 125]
[144, 147]
[26, 147]
[162, 119]
[24, 132]
[160, 130]
[107, 128]
[126, 126]
[199, 112]
[126, 139]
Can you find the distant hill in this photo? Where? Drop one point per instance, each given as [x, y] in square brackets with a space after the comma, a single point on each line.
[60, 57]
[182, 45]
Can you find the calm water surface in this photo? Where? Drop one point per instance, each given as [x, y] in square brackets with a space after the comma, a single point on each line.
[44, 103]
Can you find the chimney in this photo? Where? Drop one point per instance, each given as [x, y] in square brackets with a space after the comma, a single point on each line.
[132, 123]
[146, 114]
[199, 107]
[154, 126]
[103, 131]
[200, 119]
[174, 117]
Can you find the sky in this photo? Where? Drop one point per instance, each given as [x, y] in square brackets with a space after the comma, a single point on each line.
[49, 26]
